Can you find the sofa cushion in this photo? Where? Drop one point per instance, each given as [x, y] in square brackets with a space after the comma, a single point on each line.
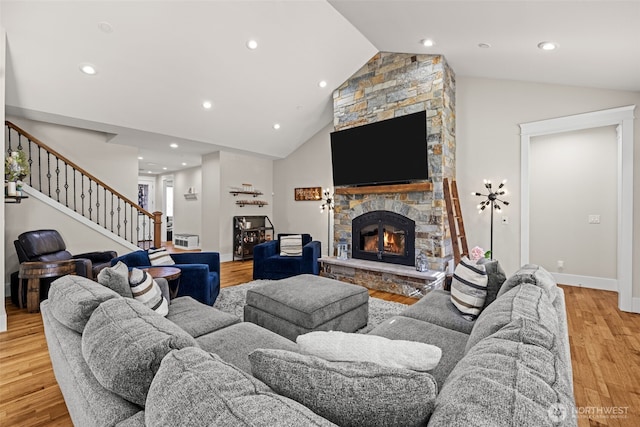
[116, 278]
[123, 344]
[196, 318]
[436, 307]
[193, 387]
[160, 256]
[348, 393]
[234, 343]
[469, 288]
[291, 245]
[534, 275]
[506, 382]
[527, 301]
[346, 347]
[72, 300]
[145, 289]
[495, 278]
[452, 343]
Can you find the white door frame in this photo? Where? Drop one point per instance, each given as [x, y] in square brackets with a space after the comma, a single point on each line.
[622, 118]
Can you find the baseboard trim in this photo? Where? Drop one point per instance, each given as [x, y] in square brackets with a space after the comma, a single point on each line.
[635, 305]
[226, 257]
[601, 283]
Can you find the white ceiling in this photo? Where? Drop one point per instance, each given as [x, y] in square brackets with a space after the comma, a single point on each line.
[162, 59]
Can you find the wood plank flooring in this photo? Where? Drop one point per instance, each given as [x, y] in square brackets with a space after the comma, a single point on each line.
[605, 349]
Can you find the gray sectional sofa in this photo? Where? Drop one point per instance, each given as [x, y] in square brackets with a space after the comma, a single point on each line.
[120, 364]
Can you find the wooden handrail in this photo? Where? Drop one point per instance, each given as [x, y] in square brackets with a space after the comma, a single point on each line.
[75, 166]
[156, 217]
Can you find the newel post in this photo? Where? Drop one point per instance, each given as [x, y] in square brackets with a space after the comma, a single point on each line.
[157, 222]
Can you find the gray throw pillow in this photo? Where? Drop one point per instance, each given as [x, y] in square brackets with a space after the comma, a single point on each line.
[496, 277]
[193, 387]
[124, 343]
[116, 278]
[72, 300]
[534, 275]
[348, 393]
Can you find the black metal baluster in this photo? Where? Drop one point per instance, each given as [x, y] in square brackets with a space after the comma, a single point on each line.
[49, 172]
[9, 138]
[19, 142]
[58, 179]
[30, 161]
[90, 191]
[112, 212]
[39, 168]
[118, 222]
[66, 184]
[82, 192]
[75, 191]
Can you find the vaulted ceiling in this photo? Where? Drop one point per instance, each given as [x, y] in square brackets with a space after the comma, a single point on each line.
[158, 61]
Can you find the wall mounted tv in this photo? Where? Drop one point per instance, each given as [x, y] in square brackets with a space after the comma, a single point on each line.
[384, 152]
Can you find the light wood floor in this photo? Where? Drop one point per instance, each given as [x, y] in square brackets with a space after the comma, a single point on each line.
[605, 349]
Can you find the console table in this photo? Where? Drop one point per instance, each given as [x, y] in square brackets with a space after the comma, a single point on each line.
[33, 271]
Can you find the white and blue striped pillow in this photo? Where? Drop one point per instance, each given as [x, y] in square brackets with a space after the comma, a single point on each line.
[160, 256]
[147, 291]
[291, 245]
[469, 288]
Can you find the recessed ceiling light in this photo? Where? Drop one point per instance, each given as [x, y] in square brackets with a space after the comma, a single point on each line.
[484, 45]
[207, 105]
[164, 168]
[427, 42]
[548, 45]
[184, 164]
[252, 44]
[149, 172]
[88, 69]
[276, 126]
[322, 83]
[173, 145]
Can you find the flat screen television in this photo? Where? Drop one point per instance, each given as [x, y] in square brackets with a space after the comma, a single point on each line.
[385, 152]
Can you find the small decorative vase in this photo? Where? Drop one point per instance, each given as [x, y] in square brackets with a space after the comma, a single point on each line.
[11, 188]
[422, 263]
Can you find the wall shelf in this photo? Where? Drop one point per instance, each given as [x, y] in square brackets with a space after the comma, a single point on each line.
[259, 203]
[191, 196]
[253, 193]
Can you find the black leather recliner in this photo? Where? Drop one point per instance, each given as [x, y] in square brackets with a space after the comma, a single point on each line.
[47, 245]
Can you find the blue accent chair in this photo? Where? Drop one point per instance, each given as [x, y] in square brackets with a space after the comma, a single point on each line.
[199, 276]
[269, 264]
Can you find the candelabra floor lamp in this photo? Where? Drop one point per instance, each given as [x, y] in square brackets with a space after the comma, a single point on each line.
[493, 200]
[327, 204]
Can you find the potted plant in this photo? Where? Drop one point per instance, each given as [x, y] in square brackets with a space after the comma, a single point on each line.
[16, 168]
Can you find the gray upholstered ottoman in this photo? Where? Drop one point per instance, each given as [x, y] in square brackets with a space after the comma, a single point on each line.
[305, 303]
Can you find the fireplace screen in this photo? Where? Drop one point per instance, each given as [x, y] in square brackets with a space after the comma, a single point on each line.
[384, 236]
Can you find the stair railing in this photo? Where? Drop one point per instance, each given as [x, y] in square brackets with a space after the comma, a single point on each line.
[70, 185]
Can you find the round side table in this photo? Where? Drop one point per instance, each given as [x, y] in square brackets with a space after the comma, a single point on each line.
[33, 271]
[170, 274]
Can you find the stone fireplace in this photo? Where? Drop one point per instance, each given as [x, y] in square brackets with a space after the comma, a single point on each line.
[392, 85]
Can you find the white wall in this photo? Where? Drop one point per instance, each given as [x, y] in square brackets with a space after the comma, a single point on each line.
[488, 146]
[308, 166]
[235, 170]
[3, 313]
[187, 218]
[563, 194]
[210, 239]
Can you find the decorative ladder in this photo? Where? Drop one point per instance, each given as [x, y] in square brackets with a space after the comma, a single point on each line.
[456, 225]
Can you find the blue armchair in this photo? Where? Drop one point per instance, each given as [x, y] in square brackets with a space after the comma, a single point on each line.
[199, 276]
[269, 264]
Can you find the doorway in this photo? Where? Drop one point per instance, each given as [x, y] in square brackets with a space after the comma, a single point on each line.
[622, 119]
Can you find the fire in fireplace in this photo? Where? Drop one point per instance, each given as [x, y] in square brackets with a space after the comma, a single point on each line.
[384, 236]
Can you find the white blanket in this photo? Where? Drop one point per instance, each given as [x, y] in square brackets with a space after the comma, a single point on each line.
[345, 347]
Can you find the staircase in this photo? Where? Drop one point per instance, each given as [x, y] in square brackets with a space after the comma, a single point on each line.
[57, 178]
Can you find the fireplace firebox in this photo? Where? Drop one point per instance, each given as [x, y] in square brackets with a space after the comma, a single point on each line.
[384, 236]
